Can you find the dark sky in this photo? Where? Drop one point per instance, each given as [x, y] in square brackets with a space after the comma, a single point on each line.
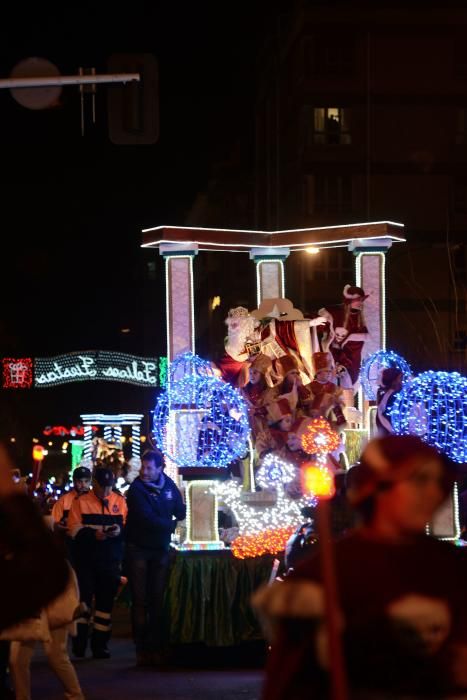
[72, 208]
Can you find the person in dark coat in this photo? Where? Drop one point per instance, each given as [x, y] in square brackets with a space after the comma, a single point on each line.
[401, 592]
[154, 506]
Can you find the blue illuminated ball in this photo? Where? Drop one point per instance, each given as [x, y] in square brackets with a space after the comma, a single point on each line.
[434, 407]
[186, 364]
[370, 372]
[201, 421]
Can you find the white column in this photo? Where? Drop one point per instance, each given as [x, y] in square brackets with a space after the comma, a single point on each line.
[136, 444]
[87, 442]
[270, 278]
[370, 274]
[179, 298]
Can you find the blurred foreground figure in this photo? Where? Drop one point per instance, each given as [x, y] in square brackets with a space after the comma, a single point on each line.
[404, 618]
[33, 571]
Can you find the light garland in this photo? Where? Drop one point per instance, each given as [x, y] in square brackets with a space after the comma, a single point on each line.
[266, 542]
[434, 407]
[373, 366]
[319, 437]
[286, 512]
[200, 420]
[188, 364]
[95, 365]
[163, 368]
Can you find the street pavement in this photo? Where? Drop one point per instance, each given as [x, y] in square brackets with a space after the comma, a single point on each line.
[199, 673]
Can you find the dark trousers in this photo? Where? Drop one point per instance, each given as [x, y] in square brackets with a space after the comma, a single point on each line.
[147, 574]
[100, 584]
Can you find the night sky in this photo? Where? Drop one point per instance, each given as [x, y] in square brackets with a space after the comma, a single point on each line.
[72, 208]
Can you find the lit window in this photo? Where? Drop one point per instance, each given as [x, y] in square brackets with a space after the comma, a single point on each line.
[331, 125]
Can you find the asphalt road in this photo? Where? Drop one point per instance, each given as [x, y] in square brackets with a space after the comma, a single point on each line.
[119, 679]
[194, 673]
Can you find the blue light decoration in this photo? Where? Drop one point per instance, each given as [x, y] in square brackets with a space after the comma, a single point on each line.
[371, 369]
[434, 407]
[200, 420]
[274, 471]
[188, 364]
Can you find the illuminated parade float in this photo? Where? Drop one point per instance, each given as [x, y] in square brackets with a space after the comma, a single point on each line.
[201, 420]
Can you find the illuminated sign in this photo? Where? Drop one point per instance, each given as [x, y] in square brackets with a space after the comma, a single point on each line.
[62, 431]
[17, 373]
[96, 365]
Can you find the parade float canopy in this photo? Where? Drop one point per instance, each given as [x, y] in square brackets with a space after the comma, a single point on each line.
[243, 240]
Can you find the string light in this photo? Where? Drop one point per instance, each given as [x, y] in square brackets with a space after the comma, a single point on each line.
[266, 542]
[434, 407]
[284, 512]
[319, 437]
[95, 365]
[17, 373]
[370, 373]
[163, 366]
[200, 420]
[189, 364]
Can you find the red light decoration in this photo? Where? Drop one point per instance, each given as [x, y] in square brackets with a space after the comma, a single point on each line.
[62, 431]
[17, 373]
[266, 542]
[318, 480]
[320, 438]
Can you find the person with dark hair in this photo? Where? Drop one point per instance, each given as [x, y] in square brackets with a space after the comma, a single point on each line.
[154, 506]
[404, 619]
[95, 523]
[390, 386]
[81, 485]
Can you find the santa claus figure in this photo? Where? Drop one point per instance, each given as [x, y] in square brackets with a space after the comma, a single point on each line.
[344, 335]
[240, 330]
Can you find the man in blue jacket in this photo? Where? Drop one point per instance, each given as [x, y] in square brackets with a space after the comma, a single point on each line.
[154, 506]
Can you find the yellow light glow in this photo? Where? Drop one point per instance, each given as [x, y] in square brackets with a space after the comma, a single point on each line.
[143, 438]
[50, 443]
[35, 440]
[312, 250]
[216, 301]
[123, 439]
[13, 439]
[38, 453]
[318, 481]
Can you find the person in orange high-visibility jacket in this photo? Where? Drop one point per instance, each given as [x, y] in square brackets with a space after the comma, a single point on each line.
[81, 485]
[95, 524]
